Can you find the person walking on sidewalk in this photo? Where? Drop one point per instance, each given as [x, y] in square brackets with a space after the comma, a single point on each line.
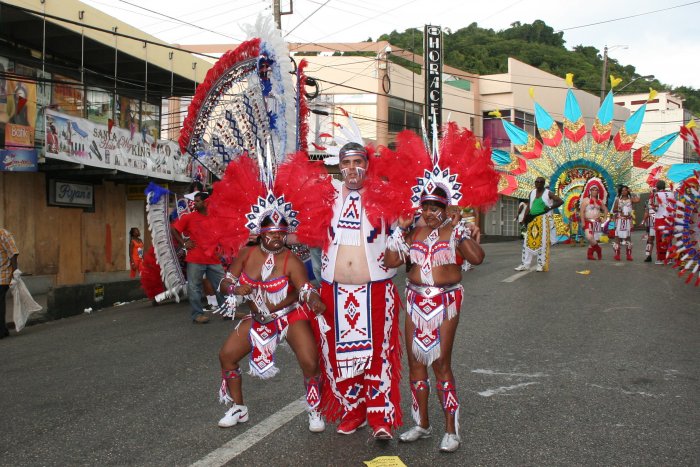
[200, 262]
[8, 265]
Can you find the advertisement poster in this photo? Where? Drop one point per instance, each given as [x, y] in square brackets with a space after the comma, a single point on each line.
[43, 100]
[129, 114]
[18, 160]
[68, 96]
[4, 69]
[80, 141]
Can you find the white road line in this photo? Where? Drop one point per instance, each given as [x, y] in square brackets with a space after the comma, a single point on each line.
[503, 389]
[253, 435]
[515, 276]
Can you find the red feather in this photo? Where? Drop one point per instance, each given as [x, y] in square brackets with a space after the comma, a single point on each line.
[246, 50]
[232, 198]
[151, 282]
[308, 187]
[470, 159]
[303, 117]
[389, 180]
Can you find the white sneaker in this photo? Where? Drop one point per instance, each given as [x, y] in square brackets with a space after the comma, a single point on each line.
[316, 423]
[539, 268]
[522, 267]
[234, 415]
[449, 443]
[658, 262]
[416, 433]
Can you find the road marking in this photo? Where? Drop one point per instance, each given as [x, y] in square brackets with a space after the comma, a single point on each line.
[516, 276]
[252, 436]
[503, 389]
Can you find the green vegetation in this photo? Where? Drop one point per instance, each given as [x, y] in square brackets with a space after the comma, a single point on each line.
[485, 51]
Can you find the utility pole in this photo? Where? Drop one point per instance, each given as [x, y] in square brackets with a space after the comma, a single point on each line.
[277, 14]
[602, 78]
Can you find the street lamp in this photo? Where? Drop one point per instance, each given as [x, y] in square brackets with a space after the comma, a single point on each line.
[646, 77]
[603, 78]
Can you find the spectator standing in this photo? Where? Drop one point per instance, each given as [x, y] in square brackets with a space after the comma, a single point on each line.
[8, 265]
[200, 262]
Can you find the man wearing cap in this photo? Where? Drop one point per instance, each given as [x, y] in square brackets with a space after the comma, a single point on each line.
[360, 345]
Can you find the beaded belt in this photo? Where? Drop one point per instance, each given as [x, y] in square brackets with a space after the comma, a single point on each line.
[269, 317]
[432, 290]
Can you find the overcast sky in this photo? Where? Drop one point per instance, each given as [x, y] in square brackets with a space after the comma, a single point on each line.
[664, 43]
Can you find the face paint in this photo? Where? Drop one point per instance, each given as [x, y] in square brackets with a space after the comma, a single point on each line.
[438, 216]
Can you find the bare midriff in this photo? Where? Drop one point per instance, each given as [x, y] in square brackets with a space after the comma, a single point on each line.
[351, 265]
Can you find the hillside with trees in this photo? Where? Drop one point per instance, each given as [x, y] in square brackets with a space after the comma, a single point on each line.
[485, 51]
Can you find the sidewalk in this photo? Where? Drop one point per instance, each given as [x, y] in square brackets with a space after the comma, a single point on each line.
[100, 290]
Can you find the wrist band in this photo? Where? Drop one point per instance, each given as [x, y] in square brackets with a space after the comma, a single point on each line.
[305, 292]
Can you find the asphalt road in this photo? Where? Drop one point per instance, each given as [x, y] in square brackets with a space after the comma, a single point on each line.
[556, 368]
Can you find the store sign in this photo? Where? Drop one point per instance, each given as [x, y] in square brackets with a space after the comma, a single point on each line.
[18, 160]
[81, 141]
[433, 78]
[70, 194]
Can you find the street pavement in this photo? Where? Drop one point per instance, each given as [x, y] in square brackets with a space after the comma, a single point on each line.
[557, 368]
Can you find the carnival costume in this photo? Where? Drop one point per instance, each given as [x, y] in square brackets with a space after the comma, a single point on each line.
[567, 157]
[241, 124]
[684, 251]
[540, 232]
[359, 335]
[592, 215]
[663, 207]
[623, 226]
[461, 167]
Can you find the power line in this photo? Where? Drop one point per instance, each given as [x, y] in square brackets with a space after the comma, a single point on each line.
[627, 17]
[304, 20]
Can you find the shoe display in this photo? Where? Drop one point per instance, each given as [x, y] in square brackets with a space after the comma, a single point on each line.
[234, 415]
[316, 423]
[449, 443]
[522, 267]
[383, 433]
[350, 425]
[201, 319]
[416, 433]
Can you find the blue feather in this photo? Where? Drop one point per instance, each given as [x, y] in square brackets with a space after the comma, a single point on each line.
[157, 190]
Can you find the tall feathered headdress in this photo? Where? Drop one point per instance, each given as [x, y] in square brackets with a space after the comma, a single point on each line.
[598, 183]
[245, 105]
[299, 196]
[459, 163]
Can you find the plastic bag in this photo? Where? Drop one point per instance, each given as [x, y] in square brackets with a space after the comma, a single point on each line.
[24, 304]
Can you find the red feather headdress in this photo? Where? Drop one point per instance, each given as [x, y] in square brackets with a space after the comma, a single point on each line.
[462, 167]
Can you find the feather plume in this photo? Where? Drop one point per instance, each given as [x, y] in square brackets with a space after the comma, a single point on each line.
[151, 283]
[308, 187]
[461, 152]
[231, 200]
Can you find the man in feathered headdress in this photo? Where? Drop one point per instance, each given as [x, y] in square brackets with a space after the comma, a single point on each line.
[594, 210]
[361, 348]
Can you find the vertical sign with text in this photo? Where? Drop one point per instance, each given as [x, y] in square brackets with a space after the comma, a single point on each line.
[433, 79]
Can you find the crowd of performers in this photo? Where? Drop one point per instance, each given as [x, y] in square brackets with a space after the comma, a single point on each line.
[390, 207]
[595, 220]
[345, 334]
[346, 337]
